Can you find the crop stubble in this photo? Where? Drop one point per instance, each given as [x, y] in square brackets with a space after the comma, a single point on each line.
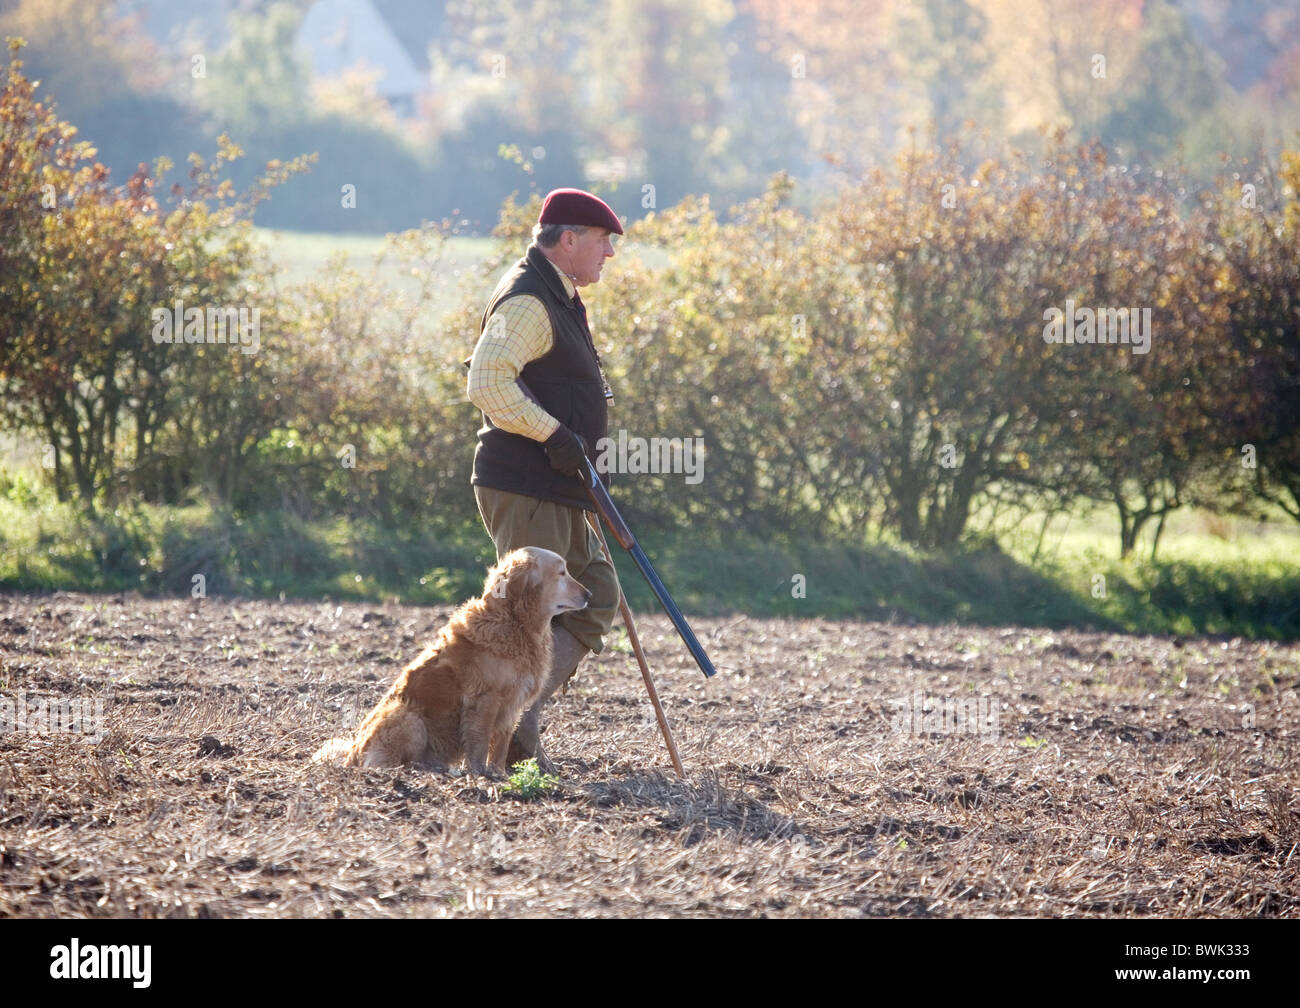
[1128, 777]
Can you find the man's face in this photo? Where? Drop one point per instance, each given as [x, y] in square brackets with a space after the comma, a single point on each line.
[584, 254]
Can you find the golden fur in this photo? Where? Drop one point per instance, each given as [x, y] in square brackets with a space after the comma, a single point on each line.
[463, 695]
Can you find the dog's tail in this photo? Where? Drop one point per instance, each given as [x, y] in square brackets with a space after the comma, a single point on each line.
[337, 750]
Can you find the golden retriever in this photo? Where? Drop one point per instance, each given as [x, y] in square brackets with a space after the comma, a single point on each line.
[463, 695]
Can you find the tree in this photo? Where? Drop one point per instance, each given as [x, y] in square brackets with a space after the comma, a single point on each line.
[962, 268]
[1134, 425]
[942, 53]
[86, 269]
[43, 173]
[258, 84]
[1257, 224]
[949, 260]
[108, 77]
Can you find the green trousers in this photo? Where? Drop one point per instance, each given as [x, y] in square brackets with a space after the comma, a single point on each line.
[514, 521]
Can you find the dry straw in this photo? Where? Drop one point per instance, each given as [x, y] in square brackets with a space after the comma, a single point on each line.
[1130, 777]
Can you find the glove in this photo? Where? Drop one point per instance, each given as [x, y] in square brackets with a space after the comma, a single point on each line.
[566, 451]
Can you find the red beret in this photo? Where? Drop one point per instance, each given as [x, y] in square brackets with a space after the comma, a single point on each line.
[573, 206]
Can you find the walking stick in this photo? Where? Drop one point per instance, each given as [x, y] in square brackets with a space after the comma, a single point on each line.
[640, 657]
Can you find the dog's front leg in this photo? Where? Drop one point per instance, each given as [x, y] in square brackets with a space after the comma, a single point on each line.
[477, 723]
[497, 747]
[503, 731]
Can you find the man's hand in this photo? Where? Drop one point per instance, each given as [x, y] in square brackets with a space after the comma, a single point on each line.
[566, 450]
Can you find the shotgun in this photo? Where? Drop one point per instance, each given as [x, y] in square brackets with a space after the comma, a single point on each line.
[604, 506]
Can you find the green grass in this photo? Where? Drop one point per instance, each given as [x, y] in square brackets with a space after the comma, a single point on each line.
[1213, 575]
[528, 782]
[801, 576]
[153, 549]
[302, 256]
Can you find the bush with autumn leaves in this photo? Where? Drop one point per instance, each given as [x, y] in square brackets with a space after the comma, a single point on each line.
[884, 362]
[326, 410]
[877, 363]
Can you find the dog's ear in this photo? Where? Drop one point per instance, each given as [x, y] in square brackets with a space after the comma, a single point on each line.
[497, 585]
[513, 578]
[528, 579]
[525, 580]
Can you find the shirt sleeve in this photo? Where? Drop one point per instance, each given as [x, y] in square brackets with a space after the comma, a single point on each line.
[519, 331]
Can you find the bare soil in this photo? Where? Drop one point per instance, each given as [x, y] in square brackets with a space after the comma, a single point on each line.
[1106, 776]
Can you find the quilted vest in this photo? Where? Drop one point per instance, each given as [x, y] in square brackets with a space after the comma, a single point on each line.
[566, 381]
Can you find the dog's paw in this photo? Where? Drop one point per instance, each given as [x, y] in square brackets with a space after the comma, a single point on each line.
[544, 764]
[487, 770]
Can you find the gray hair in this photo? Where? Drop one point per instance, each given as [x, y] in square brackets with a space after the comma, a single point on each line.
[548, 235]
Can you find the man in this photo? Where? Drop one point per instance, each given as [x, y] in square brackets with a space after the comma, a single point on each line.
[536, 376]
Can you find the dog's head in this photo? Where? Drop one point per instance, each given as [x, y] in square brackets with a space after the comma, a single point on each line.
[533, 576]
